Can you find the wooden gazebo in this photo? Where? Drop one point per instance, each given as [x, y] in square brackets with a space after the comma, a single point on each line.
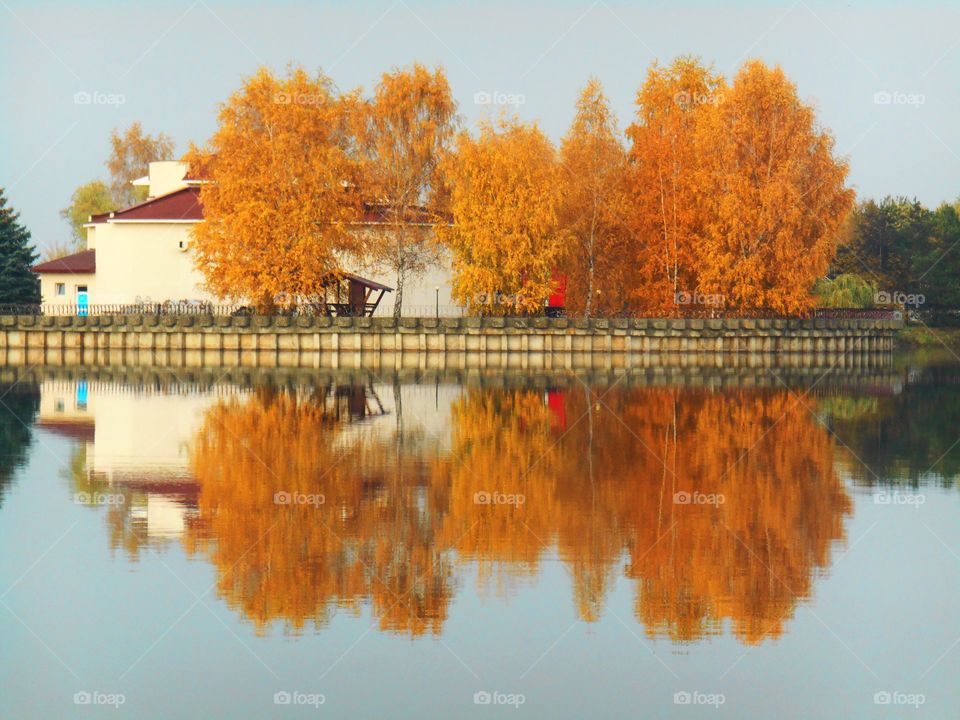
[354, 296]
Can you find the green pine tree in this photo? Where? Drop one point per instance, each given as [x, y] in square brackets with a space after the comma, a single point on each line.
[18, 284]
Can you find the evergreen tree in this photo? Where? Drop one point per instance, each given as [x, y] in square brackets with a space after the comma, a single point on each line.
[17, 283]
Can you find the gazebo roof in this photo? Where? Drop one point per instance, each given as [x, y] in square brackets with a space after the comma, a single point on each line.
[373, 285]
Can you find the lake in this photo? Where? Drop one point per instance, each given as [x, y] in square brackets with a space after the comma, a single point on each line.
[754, 543]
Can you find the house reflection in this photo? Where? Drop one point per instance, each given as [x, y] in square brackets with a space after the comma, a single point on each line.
[131, 453]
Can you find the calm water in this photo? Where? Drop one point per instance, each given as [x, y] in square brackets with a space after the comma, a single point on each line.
[551, 546]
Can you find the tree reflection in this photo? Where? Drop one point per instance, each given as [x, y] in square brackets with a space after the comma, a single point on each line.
[383, 519]
[907, 437]
[303, 517]
[19, 403]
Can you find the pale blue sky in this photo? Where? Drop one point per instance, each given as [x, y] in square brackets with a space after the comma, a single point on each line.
[174, 61]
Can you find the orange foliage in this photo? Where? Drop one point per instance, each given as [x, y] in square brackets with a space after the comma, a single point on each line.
[281, 190]
[773, 195]
[728, 196]
[594, 205]
[506, 238]
[408, 126]
[667, 217]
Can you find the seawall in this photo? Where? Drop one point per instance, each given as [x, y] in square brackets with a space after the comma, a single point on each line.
[217, 341]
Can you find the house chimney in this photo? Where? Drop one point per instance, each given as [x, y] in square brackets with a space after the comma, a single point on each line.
[165, 177]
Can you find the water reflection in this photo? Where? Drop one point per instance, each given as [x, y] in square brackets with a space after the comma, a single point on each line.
[905, 437]
[720, 507]
[658, 479]
[18, 407]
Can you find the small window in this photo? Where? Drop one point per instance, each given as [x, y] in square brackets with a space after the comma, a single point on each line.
[61, 288]
[60, 405]
[81, 288]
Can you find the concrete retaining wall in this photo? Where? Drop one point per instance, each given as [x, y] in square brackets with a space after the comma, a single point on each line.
[299, 341]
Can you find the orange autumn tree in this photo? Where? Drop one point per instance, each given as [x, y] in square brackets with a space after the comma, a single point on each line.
[594, 203]
[773, 194]
[281, 188]
[407, 127]
[666, 217]
[506, 238]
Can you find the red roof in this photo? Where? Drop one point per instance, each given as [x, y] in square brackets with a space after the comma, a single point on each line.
[183, 204]
[78, 263]
[333, 277]
[83, 430]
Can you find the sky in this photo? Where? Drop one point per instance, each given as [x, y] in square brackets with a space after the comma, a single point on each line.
[883, 76]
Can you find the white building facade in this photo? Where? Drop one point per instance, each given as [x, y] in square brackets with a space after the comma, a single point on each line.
[142, 254]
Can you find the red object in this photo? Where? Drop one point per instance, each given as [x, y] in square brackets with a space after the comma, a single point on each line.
[181, 204]
[83, 430]
[81, 262]
[559, 297]
[557, 402]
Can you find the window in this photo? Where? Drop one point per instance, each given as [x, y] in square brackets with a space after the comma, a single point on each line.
[81, 288]
[61, 288]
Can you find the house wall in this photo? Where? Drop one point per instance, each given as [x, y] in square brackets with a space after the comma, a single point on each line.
[48, 287]
[143, 261]
[419, 293]
[121, 449]
[420, 297]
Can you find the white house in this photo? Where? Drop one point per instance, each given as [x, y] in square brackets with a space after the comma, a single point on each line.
[142, 254]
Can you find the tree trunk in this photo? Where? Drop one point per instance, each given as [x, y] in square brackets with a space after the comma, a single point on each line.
[400, 263]
[592, 262]
[588, 310]
[398, 297]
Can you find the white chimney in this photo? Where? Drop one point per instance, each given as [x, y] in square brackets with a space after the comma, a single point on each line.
[165, 177]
